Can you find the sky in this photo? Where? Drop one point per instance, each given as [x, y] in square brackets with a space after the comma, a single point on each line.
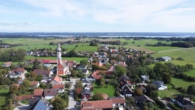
[97, 15]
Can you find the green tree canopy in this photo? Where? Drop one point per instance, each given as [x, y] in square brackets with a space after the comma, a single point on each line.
[83, 62]
[98, 96]
[59, 104]
[138, 92]
[154, 94]
[119, 70]
[166, 78]
[191, 90]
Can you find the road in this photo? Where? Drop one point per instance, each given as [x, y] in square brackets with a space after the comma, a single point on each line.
[72, 102]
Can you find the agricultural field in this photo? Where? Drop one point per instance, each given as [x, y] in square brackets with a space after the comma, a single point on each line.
[3, 96]
[190, 73]
[77, 59]
[107, 90]
[181, 83]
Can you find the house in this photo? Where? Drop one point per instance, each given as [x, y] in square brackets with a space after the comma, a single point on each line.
[185, 102]
[44, 73]
[57, 80]
[159, 85]
[38, 93]
[165, 58]
[60, 88]
[114, 51]
[81, 67]
[17, 72]
[86, 94]
[124, 80]
[7, 64]
[117, 101]
[144, 78]
[122, 63]
[71, 63]
[110, 70]
[95, 105]
[142, 99]
[105, 96]
[34, 84]
[127, 91]
[42, 104]
[85, 71]
[96, 75]
[87, 80]
[29, 53]
[24, 97]
[16, 85]
[50, 93]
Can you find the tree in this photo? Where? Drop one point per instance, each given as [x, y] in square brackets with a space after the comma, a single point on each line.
[150, 87]
[166, 78]
[13, 89]
[26, 83]
[83, 62]
[59, 104]
[138, 92]
[98, 96]
[101, 81]
[191, 90]
[130, 102]
[36, 64]
[119, 70]
[154, 94]
[32, 74]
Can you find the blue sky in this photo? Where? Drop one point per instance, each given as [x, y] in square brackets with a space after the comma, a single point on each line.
[97, 16]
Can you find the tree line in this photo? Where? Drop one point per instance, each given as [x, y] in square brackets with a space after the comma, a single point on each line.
[12, 55]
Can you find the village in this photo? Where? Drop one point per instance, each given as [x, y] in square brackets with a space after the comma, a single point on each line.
[104, 81]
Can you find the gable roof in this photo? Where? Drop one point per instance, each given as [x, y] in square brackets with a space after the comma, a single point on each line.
[34, 83]
[100, 104]
[59, 86]
[50, 92]
[96, 74]
[58, 79]
[41, 72]
[41, 105]
[85, 91]
[7, 63]
[38, 92]
[19, 70]
[143, 98]
[24, 97]
[117, 100]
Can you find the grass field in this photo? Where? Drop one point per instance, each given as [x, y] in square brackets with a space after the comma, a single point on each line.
[107, 90]
[3, 95]
[77, 59]
[181, 83]
[190, 73]
[168, 93]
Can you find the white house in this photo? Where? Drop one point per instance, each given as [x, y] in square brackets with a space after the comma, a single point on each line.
[18, 72]
[60, 88]
[50, 93]
[159, 85]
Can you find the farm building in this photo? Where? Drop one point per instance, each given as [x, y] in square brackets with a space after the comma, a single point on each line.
[165, 58]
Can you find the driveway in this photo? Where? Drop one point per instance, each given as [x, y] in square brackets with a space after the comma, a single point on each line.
[72, 102]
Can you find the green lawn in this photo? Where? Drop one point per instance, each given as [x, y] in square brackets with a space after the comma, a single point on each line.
[176, 62]
[160, 48]
[181, 83]
[77, 59]
[3, 95]
[190, 73]
[107, 90]
[168, 93]
[24, 102]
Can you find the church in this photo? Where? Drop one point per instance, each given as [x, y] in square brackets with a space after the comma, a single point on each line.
[62, 68]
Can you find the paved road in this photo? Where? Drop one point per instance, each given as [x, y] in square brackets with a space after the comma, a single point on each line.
[72, 102]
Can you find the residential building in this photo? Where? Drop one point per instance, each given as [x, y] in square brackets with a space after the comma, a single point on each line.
[50, 93]
[17, 72]
[117, 101]
[165, 58]
[60, 88]
[7, 64]
[42, 104]
[96, 105]
[159, 85]
[34, 84]
[44, 73]
[57, 80]
[86, 94]
[140, 100]
[144, 78]
[38, 93]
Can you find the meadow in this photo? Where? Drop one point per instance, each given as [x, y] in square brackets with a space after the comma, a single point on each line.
[107, 89]
[181, 83]
[190, 73]
[3, 96]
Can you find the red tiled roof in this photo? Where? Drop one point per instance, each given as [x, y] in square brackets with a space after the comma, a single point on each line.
[24, 97]
[96, 74]
[50, 92]
[34, 83]
[38, 92]
[19, 70]
[61, 86]
[100, 104]
[117, 100]
[53, 61]
[41, 72]
[58, 79]
[7, 63]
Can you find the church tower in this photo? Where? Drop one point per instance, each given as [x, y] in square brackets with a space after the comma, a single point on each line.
[60, 64]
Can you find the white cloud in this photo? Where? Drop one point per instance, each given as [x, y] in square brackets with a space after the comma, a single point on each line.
[16, 24]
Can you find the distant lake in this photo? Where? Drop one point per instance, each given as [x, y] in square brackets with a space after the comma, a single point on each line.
[103, 34]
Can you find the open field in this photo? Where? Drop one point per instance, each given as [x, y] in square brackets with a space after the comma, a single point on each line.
[77, 59]
[3, 95]
[107, 90]
[181, 83]
[168, 93]
[190, 73]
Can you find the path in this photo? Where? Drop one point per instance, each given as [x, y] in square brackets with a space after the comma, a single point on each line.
[72, 102]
